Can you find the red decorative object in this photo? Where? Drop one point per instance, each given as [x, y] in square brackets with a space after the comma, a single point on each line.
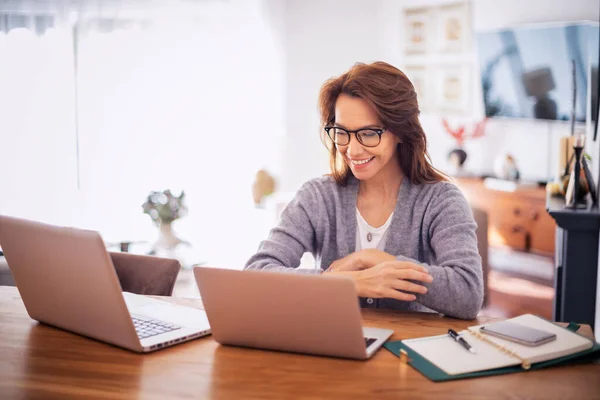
[459, 133]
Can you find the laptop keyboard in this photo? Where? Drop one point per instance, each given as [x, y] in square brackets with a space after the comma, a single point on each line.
[369, 341]
[146, 327]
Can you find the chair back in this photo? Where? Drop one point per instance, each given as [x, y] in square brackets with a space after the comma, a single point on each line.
[482, 221]
[147, 275]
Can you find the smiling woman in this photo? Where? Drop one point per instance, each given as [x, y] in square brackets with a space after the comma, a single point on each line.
[385, 217]
[376, 96]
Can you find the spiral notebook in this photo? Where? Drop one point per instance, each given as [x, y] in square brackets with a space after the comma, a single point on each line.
[441, 358]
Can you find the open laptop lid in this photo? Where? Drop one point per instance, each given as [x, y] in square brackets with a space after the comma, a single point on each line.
[281, 311]
[66, 279]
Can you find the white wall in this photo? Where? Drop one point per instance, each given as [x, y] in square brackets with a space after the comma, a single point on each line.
[322, 40]
[325, 38]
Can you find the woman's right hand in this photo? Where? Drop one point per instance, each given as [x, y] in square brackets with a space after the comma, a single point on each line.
[391, 279]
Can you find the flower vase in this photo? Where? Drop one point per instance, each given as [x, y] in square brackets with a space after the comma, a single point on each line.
[167, 241]
[456, 161]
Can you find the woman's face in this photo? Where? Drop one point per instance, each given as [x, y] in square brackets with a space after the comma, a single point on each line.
[353, 113]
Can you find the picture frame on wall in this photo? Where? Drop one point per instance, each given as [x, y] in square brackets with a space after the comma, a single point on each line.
[453, 88]
[419, 76]
[418, 31]
[454, 33]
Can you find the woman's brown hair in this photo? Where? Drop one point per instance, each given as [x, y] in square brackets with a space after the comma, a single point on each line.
[391, 94]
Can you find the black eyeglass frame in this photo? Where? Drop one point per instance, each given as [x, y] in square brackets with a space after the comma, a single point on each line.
[378, 131]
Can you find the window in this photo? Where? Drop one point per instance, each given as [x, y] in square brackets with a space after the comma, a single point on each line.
[111, 107]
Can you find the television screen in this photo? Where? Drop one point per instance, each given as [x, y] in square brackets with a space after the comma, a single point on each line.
[526, 72]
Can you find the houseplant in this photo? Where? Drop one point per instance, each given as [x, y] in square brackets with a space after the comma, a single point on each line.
[164, 208]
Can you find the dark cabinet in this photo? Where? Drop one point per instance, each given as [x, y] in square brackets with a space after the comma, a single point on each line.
[576, 263]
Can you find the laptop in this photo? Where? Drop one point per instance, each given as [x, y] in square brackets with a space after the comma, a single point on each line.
[66, 279]
[289, 312]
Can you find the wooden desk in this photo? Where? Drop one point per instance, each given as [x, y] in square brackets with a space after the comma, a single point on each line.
[37, 361]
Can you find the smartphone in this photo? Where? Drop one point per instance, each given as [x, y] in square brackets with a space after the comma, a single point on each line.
[518, 333]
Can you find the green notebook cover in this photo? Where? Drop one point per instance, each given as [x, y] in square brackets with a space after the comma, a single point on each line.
[432, 372]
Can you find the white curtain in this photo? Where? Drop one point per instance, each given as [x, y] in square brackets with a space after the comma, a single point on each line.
[37, 137]
[173, 98]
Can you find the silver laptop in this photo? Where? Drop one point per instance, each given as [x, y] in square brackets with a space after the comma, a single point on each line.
[66, 279]
[285, 311]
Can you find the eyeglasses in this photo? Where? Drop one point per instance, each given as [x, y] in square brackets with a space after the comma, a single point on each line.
[367, 137]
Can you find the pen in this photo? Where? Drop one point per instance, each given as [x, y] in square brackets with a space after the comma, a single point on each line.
[452, 333]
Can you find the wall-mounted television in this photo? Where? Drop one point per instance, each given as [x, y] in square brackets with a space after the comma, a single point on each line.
[526, 71]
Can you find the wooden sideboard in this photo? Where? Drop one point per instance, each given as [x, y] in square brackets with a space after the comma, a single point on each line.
[517, 219]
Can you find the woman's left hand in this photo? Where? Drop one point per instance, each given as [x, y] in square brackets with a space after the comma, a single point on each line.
[351, 262]
[360, 260]
[372, 257]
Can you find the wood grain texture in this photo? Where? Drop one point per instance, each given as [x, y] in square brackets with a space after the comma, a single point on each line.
[37, 361]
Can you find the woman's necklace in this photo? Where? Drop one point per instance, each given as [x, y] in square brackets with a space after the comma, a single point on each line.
[366, 227]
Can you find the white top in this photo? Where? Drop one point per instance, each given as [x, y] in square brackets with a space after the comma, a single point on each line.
[364, 232]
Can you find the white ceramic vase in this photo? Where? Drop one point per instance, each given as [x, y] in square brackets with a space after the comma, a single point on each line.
[167, 242]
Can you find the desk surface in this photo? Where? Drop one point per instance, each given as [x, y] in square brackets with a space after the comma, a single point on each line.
[37, 361]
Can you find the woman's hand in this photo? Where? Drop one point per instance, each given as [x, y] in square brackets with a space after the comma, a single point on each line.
[352, 262]
[390, 279]
[372, 257]
[360, 260]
